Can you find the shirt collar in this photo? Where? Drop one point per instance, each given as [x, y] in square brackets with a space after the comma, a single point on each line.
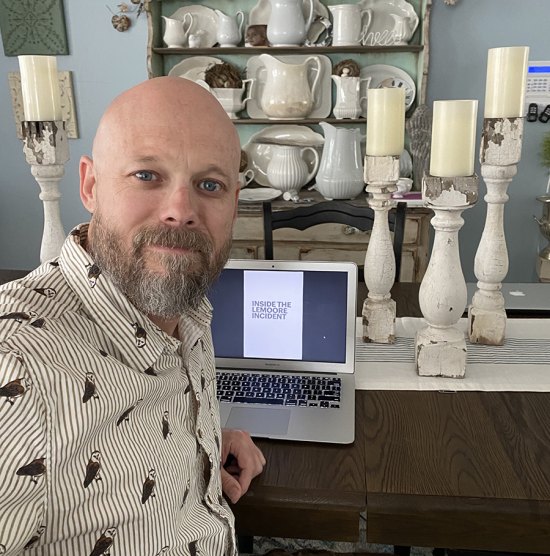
[138, 339]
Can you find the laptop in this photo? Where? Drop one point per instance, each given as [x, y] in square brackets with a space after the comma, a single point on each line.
[284, 340]
[523, 298]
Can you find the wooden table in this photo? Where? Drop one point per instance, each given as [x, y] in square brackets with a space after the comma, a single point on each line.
[457, 470]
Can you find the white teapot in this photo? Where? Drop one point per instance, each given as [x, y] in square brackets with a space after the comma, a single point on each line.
[287, 93]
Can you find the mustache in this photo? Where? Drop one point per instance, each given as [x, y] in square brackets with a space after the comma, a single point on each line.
[191, 240]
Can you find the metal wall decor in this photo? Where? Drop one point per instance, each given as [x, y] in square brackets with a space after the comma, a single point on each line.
[33, 27]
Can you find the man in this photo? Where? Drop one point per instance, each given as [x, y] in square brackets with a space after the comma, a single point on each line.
[110, 433]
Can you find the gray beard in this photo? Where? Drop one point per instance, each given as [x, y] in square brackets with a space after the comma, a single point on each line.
[186, 278]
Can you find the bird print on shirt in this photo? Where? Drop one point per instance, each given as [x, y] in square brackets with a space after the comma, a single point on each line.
[34, 469]
[104, 542]
[38, 323]
[93, 468]
[148, 486]
[15, 389]
[18, 316]
[125, 415]
[165, 426]
[46, 292]
[90, 390]
[186, 493]
[35, 538]
[193, 550]
[164, 550]
[93, 274]
[140, 335]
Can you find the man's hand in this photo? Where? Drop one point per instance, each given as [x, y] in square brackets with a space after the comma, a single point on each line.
[242, 460]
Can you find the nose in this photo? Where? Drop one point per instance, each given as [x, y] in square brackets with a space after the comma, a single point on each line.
[180, 208]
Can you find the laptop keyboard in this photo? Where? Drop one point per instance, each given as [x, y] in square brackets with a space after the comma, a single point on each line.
[290, 390]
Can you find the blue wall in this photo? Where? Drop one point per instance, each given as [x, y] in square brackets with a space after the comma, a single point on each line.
[105, 62]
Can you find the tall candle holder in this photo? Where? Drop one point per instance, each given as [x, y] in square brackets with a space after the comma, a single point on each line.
[47, 150]
[381, 175]
[500, 152]
[440, 347]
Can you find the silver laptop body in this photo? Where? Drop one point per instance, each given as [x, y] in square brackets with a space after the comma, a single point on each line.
[279, 321]
[522, 297]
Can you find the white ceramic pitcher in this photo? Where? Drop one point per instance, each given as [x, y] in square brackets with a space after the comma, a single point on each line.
[230, 28]
[286, 25]
[348, 96]
[175, 31]
[340, 174]
[287, 92]
[287, 170]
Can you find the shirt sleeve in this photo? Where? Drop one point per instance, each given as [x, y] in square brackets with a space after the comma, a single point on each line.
[23, 455]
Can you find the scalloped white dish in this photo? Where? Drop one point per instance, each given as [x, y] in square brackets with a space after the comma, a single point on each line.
[259, 148]
[259, 194]
[204, 19]
[383, 75]
[256, 70]
[193, 68]
[381, 31]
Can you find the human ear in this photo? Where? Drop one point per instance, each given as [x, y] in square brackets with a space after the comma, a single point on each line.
[87, 183]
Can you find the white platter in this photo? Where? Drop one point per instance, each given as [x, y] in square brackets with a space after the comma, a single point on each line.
[193, 68]
[259, 14]
[255, 69]
[259, 194]
[383, 75]
[380, 31]
[259, 148]
[204, 19]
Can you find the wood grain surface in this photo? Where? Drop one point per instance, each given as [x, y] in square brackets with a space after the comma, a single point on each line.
[459, 470]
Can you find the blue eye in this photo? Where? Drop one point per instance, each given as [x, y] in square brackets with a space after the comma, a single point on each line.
[145, 175]
[210, 186]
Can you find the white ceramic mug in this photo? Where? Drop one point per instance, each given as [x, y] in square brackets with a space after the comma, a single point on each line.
[348, 26]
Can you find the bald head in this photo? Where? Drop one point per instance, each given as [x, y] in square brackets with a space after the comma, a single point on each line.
[169, 104]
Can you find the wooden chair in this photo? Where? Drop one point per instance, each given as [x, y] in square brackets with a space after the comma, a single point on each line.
[339, 212]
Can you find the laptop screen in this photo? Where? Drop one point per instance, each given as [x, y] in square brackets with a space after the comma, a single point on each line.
[282, 312]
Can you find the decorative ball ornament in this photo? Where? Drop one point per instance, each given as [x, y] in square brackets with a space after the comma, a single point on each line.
[121, 22]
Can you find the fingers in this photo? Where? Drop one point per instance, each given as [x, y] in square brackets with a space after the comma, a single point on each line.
[247, 462]
[231, 487]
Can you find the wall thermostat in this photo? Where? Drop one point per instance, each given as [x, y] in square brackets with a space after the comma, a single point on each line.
[538, 84]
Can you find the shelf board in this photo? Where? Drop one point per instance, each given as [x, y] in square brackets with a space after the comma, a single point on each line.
[288, 49]
[299, 121]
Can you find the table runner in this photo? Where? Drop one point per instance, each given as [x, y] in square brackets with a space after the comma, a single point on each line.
[522, 364]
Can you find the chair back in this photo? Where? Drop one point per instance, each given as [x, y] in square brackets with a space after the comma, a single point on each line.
[339, 212]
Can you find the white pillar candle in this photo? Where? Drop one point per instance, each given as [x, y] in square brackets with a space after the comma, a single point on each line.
[40, 88]
[453, 138]
[506, 79]
[385, 121]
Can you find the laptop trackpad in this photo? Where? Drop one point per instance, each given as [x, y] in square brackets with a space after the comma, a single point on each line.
[263, 420]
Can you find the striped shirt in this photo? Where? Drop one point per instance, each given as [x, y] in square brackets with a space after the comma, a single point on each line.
[109, 428]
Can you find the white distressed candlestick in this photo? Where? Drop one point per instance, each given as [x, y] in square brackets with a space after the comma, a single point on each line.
[440, 348]
[46, 150]
[500, 152]
[381, 175]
